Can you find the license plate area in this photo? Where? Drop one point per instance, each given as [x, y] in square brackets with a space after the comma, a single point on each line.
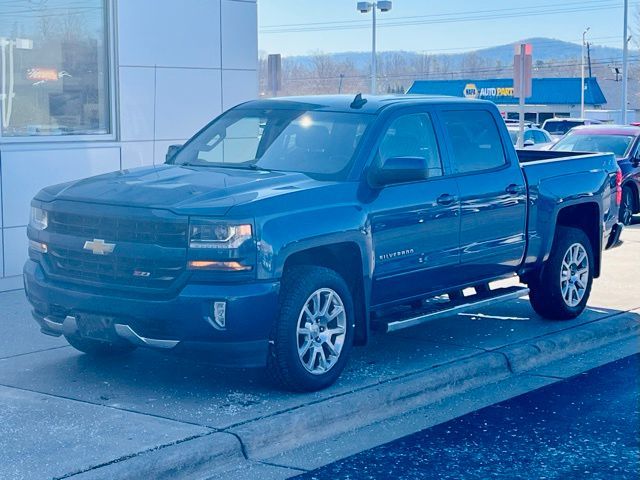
[97, 327]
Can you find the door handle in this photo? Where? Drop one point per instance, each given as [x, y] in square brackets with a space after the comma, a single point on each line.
[513, 189]
[446, 199]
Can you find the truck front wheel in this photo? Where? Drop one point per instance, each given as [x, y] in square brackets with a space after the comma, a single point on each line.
[562, 289]
[313, 333]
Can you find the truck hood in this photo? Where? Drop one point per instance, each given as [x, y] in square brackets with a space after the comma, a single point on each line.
[213, 191]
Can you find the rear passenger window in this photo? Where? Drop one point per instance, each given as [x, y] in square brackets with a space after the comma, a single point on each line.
[475, 139]
[412, 136]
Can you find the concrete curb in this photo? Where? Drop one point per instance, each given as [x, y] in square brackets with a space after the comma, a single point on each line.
[269, 436]
[195, 458]
[210, 455]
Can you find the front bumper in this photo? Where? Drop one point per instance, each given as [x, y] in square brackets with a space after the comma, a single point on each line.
[181, 324]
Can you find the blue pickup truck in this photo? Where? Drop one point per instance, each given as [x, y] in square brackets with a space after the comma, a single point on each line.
[286, 230]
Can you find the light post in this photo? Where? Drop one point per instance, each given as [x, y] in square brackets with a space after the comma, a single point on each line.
[584, 34]
[625, 62]
[366, 7]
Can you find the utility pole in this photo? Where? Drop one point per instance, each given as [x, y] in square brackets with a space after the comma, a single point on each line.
[366, 7]
[589, 58]
[584, 34]
[625, 62]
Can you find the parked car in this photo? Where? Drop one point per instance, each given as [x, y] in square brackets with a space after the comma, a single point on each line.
[534, 137]
[624, 143]
[557, 127]
[287, 229]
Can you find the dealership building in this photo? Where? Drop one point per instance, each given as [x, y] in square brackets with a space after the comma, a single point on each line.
[550, 97]
[93, 86]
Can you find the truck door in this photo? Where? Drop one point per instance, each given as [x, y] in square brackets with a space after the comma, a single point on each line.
[414, 225]
[493, 194]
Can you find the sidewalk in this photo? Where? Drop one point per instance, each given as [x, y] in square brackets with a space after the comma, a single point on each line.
[63, 414]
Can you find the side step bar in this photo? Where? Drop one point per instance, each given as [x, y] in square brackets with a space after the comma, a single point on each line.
[406, 319]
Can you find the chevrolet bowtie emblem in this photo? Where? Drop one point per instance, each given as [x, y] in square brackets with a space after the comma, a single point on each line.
[99, 246]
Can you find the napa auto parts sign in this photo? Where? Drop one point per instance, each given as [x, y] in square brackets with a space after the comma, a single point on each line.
[472, 91]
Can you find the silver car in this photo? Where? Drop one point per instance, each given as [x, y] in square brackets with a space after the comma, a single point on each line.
[534, 138]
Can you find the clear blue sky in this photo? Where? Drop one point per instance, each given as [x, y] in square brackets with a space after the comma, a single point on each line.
[294, 27]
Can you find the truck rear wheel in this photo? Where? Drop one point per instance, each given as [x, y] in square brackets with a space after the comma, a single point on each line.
[98, 348]
[563, 287]
[314, 331]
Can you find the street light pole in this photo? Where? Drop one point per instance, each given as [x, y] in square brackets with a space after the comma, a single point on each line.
[584, 34]
[625, 62]
[365, 7]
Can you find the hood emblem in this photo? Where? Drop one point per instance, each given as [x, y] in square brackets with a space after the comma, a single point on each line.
[97, 246]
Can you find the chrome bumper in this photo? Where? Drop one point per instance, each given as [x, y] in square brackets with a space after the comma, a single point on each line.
[69, 326]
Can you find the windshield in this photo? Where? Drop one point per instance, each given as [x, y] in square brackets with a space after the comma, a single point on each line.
[619, 145]
[560, 127]
[320, 144]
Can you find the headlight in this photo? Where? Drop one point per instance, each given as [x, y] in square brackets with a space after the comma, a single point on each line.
[204, 233]
[39, 218]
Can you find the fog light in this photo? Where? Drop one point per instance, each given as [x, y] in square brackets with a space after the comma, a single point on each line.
[38, 246]
[220, 314]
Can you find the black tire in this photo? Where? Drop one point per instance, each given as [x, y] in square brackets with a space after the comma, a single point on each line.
[97, 348]
[545, 290]
[284, 365]
[626, 206]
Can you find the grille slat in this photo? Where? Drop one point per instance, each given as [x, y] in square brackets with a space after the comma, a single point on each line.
[163, 233]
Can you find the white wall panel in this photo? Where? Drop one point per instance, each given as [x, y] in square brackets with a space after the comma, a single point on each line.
[238, 86]
[239, 35]
[15, 250]
[137, 97]
[136, 154]
[183, 33]
[186, 100]
[25, 172]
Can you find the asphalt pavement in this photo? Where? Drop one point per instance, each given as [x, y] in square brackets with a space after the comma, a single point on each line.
[587, 426]
[66, 415]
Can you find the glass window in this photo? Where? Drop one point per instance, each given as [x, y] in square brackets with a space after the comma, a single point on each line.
[528, 135]
[539, 137]
[53, 67]
[320, 144]
[412, 136]
[475, 139]
[619, 145]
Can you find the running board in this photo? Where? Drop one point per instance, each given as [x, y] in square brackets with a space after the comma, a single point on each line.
[406, 319]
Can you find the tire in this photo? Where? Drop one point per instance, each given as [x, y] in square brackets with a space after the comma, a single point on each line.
[626, 206]
[97, 348]
[288, 367]
[547, 294]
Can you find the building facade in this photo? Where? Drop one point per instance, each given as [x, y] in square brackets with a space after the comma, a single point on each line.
[93, 86]
[559, 97]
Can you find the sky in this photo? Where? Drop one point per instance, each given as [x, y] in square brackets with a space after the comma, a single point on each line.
[299, 27]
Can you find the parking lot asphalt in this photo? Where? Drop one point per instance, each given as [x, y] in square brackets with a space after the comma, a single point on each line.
[63, 414]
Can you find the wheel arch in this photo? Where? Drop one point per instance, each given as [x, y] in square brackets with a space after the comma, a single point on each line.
[586, 217]
[346, 259]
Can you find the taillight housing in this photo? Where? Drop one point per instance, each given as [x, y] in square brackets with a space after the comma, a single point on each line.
[618, 187]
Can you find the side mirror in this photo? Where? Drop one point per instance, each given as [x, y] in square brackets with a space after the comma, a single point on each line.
[529, 143]
[401, 170]
[171, 152]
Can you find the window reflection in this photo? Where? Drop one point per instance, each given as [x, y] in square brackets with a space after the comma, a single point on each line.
[53, 67]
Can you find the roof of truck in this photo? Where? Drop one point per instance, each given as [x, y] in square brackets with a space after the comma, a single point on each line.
[374, 103]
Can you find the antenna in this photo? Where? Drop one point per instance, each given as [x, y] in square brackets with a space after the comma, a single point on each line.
[358, 102]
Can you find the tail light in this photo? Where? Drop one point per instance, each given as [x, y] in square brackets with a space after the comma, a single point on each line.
[618, 187]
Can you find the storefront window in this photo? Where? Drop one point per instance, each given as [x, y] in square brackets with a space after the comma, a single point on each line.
[53, 68]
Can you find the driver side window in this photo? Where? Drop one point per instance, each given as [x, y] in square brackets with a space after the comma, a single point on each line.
[412, 136]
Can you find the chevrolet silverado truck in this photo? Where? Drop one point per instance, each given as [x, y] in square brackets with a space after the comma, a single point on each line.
[288, 229]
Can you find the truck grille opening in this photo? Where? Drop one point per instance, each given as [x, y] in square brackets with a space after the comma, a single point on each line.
[118, 229]
[153, 273]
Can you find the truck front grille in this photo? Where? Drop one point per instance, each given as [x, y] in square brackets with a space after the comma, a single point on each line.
[155, 273]
[118, 229]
